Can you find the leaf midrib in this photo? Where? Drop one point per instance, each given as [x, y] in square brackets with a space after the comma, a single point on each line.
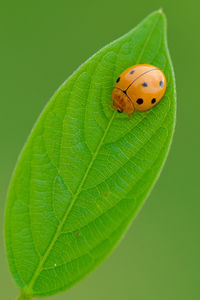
[37, 272]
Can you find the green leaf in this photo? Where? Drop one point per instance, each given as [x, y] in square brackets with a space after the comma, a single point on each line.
[86, 170]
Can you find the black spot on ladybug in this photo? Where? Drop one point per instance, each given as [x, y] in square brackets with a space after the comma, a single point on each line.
[153, 100]
[144, 84]
[139, 101]
[131, 72]
[118, 79]
[161, 83]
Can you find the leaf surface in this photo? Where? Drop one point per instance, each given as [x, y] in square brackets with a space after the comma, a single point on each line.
[86, 170]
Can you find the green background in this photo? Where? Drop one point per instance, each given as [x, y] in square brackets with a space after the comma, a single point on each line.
[41, 44]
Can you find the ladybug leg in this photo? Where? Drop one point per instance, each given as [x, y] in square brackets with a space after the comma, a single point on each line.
[129, 115]
[146, 112]
[112, 106]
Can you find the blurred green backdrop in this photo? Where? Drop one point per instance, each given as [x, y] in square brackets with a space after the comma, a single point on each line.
[41, 43]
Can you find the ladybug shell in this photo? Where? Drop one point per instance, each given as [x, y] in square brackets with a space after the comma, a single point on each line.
[139, 87]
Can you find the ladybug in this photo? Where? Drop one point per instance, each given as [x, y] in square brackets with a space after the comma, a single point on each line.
[139, 87]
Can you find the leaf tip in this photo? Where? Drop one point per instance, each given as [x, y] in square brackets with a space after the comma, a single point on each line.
[161, 13]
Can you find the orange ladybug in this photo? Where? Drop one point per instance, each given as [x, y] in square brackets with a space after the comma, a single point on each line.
[139, 87]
